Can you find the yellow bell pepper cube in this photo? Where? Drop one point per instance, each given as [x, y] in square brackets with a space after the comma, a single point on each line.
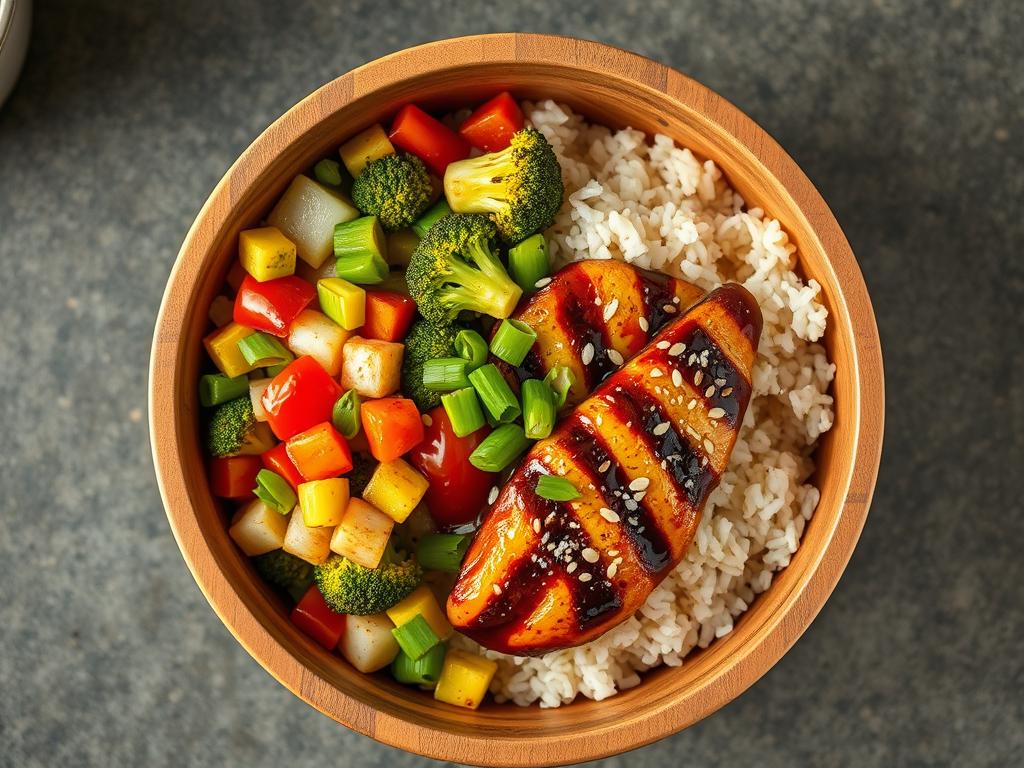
[395, 488]
[265, 253]
[342, 301]
[364, 148]
[323, 502]
[222, 347]
[464, 679]
[421, 602]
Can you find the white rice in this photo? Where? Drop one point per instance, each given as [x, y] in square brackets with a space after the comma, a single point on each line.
[659, 207]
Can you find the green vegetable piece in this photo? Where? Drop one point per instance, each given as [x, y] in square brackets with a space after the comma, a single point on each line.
[513, 341]
[284, 570]
[463, 409]
[556, 488]
[560, 379]
[345, 415]
[442, 551]
[425, 341]
[274, 491]
[538, 409]
[424, 671]
[495, 393]
[471, 346]
[328, 172]
[262, 349]
[350, 588]
[415, 637]
[437, 211]
[500, 448]
[528, 262]
[396, 188]
[361, 250]
[445, 374]
[231, 425]
[216, 388]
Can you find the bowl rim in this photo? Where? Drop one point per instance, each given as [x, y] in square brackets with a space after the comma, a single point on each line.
[437, 743]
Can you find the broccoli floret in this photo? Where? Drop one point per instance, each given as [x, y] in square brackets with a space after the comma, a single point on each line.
[456, 267]
[362, 469]
[350, 588]
[394, 188]
[426, 340]
[520, 186]
[231, 427]
[286, 571]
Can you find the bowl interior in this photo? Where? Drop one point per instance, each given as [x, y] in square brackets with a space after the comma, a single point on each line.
[616, 89]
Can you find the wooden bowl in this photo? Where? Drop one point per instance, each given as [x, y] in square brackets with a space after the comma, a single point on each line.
[618, 89]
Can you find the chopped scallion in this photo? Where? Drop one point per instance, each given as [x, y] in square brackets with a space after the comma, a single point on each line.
[513, 341]
[463, 409]
[424, 671]
[442, 551]
[444, 374]
[274, 491]
[345, 415]
[500, 448]
[471, 346]
[538, 409]
[495, 393]
[556, 488]
[261, 349]
[415, 637]
[216, 388]
[560, 379]
[361, 250]
[528, 262]
[439, 210]
[328, 172]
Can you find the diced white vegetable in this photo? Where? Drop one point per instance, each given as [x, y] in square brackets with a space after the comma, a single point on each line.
[362, 534]
[372, 367]
[259, 529]
[256, 387]
[311, 544]
[306, 214]
[367, 642]
[315, 334]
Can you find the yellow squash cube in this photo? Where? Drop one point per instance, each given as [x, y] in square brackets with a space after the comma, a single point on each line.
[395, 488]
[265, 253]
[323, 502]
[422, 603]
[362, 536]
[222, 347]
[342, 301]
[464, 679]
[364, 148]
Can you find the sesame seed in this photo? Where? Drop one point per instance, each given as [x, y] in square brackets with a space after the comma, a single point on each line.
[727, 391]
[613, 553]
[609, 515]
[655, 373]
[691, 405]
[545, 537]
[597, 301]
[585, 419]
[716, 413]
[719, 382]
[633, 520]
[588, 354]
[675, 299]
[639, 495]
[571, 567]
[669, 309]
[661, 429]
[536, 525]
[698, 377]
[542, 282]
[549, 518]
[662, 345]
[709, 391]
[427, 421]
[709, 446]
[644, 325]
[605, 466]
[677, 349]
[585, 576]
[631, 505]
[692, 358]
[611, 570]
[496, 588]
[511, 533]
[590, 555]
[677, 377]
[609, 309]
[615, 357]
[493, 495]
[639, 484]
[692, 432]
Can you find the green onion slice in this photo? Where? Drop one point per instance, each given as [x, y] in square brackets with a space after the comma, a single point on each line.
[262, 349]
[471, 346]
[556, 488]
[273, 370]
[415, 637]
[528, 262]
[500, 448]
[513, 341]
[444, 374]
[495, 393]
[463, 409]
[216, 388]
[439, 210]
[538, 409]
[424, 671]
[274, 491]
[442, 551]
[328, 172]
[345, 415]
[560, 379]
[361, 250]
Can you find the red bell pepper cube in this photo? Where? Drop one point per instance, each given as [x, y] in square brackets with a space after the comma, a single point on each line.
[430, 140]
[491, 126]
[388, 315]
[314, 617]
[277, 460]
[301, 396]
[272, 305]
[393, 426]
[234, 477]
[320, 452]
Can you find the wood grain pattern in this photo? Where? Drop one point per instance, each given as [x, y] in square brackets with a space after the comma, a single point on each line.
[610, 86]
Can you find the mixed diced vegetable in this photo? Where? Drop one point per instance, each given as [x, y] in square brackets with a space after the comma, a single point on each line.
[355, 411]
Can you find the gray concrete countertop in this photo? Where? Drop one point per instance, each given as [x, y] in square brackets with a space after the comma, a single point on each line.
[908, 117]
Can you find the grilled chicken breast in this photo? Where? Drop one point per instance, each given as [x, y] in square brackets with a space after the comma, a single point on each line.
[644, 450]
[593, 316]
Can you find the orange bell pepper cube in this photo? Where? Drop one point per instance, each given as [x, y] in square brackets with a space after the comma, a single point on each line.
[429, 139]
[393, 426]
[388, 315]
[491, 126]
[320, 452]
[277, 460]
[234, 477]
